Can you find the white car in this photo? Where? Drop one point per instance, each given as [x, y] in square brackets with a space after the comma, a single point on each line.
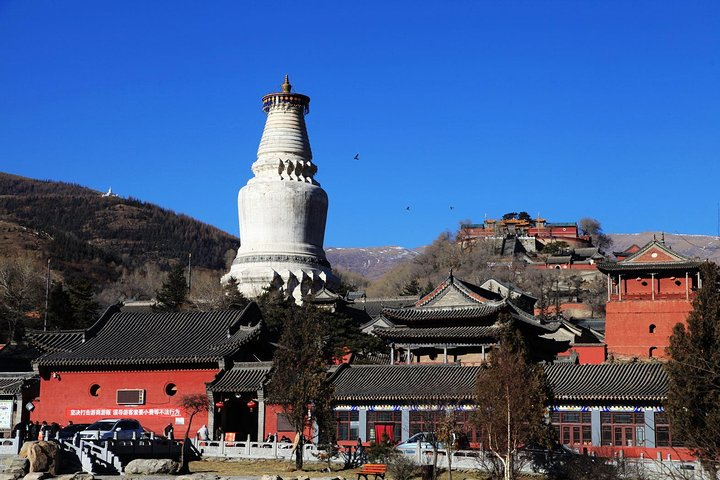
[107, 428]
[423, 440]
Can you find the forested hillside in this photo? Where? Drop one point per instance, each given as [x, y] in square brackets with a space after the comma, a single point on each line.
[93, 235]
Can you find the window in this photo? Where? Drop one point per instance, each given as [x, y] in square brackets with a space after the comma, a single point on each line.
[94, 390]
[663, 435]
[572, 428]
[391, 419]
[622, 429]
[170, 389]
[348, 425]
[651, 329]
[283, 424]
[651, 352]
[423, 421]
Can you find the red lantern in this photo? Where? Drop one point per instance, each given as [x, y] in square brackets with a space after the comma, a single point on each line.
[219, 404]
[251, 404]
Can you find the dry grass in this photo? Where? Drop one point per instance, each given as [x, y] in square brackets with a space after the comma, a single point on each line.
[286, 469]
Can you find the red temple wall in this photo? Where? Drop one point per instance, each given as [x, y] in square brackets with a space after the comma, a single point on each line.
[67, 397]
[271, 423]
[662, 286]
[590, 354]
[628, 325]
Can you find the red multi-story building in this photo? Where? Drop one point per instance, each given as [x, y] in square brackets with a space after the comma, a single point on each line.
[649, 292]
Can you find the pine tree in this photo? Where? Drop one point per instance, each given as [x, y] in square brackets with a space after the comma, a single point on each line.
[82, 299]
[412, 288]
[60, 311]
[693, 404]
[299, 374]
[173, 293]
[233, 299]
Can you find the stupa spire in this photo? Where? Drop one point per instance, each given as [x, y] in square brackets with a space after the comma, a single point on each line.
[286, 86]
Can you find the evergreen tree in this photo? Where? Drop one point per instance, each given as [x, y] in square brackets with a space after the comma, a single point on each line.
[276, 309]
[173, 293]
[299, 375]
[693, 404]
[82, 299]
[412, 288]
[233, 299]
[60, 310]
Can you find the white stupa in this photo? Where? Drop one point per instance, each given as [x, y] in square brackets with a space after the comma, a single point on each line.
[282, 209]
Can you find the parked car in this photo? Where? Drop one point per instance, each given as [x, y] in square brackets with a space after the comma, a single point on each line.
[423, 440]
[67, 433]
[106, 429]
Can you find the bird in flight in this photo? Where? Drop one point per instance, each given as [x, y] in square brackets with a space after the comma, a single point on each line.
[451, 207]
[357, 156]
[408, 208]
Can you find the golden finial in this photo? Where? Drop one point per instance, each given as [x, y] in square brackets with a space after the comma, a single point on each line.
[286, 87]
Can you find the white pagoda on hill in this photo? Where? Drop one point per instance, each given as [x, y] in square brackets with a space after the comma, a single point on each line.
[283, 209]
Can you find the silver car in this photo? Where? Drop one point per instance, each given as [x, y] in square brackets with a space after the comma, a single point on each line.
[108, 428]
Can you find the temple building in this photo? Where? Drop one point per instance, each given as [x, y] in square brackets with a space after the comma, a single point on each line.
[141, 364]
[649, 291]
[283, 209]
[459, 322]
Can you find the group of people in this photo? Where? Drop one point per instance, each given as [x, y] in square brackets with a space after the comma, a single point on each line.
[32, 431]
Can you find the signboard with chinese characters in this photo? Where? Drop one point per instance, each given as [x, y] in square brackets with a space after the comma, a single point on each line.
[123, 412]
[6, 413]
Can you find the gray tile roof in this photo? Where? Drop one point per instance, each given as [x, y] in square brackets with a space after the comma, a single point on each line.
[608, 382]
[62, 341]
[12, 383]
[425, 314]
[455, 334]
[243, 377]
[434, 382]
[374, 306]
[156, 338]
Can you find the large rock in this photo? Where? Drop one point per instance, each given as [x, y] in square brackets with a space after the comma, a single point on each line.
[43, 456]
[76, 476]
[271, 477]
[152, 466]
[36, 476]
[14, 466]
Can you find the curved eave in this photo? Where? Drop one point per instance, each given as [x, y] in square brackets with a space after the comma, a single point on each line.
[613, 398]
[66, 362]
[402, 398]
[613, 267]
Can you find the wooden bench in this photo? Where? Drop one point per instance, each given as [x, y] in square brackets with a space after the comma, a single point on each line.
[377, 469]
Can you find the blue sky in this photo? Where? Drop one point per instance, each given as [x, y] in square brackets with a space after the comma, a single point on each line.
[567, 108]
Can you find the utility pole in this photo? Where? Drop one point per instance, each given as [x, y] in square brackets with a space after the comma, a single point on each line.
[189, 271]
[47, 295]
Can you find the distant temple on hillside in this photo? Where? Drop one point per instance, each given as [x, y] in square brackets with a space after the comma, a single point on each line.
[283, 209]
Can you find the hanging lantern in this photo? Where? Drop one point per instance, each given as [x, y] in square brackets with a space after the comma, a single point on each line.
[219, 404]
[251, 404]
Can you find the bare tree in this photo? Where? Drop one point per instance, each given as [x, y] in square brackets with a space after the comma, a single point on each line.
[21, 294]
[192, 404]
[591, 227]
[512, 395]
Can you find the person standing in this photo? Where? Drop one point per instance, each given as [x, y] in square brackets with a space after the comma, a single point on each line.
[203, 433]
[169, 431]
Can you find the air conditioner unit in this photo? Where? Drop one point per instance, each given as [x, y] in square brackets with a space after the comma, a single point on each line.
[130, 397]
